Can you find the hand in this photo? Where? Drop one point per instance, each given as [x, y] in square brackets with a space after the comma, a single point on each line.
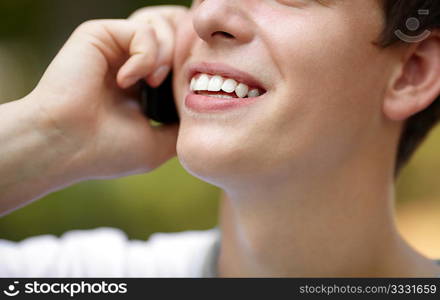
[86, 96]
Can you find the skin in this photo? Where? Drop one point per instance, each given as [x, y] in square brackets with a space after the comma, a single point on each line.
[287, 139]
[310, 191]
[308, 171]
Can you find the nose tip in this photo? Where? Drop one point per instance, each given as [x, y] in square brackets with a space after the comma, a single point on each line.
[223, 21]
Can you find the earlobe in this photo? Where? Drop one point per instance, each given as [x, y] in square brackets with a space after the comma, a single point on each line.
[399, 109]
[416, 84]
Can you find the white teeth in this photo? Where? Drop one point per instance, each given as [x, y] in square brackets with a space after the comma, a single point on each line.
[242, 90]
[253, 93]
[193, 84]
[229, 85]
[216, 95]
[215, 84]
[202, 83]
[222, 96]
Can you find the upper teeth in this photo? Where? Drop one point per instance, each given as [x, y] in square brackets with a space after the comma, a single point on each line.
[205, 82]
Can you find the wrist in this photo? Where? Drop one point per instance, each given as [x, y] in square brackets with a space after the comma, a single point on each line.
[34, 159]
[55, 152]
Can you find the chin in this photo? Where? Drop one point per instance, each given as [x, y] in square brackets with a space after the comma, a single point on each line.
[214, 157]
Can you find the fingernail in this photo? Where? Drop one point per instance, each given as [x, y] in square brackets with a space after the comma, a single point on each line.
[160, 74]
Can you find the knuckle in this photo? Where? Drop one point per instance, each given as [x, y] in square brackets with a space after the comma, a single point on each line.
[142, 29]
[98, 25]
[149, 60]
[140, 13]
[89, 25]
[179, 8]
[148, 30]
[92, 28]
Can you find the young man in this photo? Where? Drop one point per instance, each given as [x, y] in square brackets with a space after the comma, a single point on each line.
[301, 111]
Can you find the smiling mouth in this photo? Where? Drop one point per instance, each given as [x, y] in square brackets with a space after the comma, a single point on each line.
[217, 86]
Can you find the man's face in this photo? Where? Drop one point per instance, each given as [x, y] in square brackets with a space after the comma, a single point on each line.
[322, 76]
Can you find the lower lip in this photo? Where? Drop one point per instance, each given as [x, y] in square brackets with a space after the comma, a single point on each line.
[206, 104]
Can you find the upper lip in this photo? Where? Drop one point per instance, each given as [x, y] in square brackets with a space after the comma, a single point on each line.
[224, 71]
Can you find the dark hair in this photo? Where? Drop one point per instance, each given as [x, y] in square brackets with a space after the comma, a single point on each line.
[397, 13]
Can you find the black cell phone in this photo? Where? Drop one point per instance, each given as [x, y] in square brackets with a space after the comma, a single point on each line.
[158, 103]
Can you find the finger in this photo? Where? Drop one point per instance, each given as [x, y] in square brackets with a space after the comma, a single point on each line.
[143, 51]
[165, 35]
[119, 39]
[170, 12]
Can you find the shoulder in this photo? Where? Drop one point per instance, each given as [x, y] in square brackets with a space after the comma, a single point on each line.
[107, 252]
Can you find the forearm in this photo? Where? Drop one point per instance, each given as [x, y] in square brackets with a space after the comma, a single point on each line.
[33, 161]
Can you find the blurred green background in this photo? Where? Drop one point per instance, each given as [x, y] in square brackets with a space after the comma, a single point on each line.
[168, 199]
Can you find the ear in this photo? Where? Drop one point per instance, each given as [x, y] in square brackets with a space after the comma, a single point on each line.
[416, 83]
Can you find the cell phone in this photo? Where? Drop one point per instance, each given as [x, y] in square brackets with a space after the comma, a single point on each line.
[158, 103]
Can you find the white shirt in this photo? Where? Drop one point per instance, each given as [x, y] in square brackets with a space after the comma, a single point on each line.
[107, 252]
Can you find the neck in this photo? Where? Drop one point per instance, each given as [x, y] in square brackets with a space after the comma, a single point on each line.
[332, 226]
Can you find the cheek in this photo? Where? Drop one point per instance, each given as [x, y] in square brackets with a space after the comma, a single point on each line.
[326, 50]
[333, 84]
[185, 38]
